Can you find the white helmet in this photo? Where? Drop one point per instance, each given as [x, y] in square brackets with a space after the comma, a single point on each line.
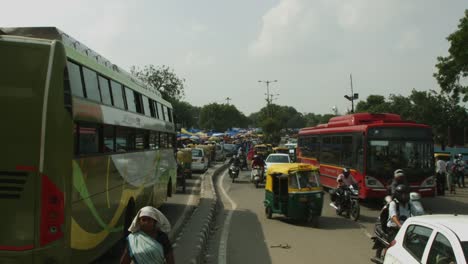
[398, 173]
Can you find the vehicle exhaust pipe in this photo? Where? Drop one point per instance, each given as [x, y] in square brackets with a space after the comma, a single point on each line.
[333, 205]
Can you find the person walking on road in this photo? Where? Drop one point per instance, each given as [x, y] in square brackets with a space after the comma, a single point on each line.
[148, 241]
[440, 176]
[459, 170]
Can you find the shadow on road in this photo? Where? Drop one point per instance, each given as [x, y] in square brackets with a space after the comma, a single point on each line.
[453, 204]
[246, 239]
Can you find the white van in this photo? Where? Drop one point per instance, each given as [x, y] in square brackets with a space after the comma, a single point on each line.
[199, 160]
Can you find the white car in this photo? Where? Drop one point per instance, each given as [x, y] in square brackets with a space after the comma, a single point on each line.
[199, 160]
[439, 239]
[276, 158]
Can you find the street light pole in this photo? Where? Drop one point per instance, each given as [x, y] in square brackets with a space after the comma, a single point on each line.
[268, 99]
[353, 96]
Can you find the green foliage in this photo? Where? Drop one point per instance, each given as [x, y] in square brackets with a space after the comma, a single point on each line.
[163, 79]
[221, 117]
[454, 67]
[185, 114]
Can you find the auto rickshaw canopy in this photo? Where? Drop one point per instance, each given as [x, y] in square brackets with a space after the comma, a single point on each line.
[305, 183]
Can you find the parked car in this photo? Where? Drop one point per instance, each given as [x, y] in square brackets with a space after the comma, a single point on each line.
[199, 159]
[277, 158]
[431, 239]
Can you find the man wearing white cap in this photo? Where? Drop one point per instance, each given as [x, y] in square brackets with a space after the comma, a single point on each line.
[148, 241]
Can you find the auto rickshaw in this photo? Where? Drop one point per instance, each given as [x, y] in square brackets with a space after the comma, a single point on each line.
[269, 149]
[281, 150]
[294, 190]
[184, 164]
[261, 149]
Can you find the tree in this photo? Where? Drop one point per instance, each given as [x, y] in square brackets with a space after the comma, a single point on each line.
[185, 114]
[163, 79]
[455, 66]
[373, 104]
[221, 117]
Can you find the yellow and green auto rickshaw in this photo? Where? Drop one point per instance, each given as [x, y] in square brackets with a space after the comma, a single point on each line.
[261, 149]
[284, 150]
[269, 148]
[294, 190]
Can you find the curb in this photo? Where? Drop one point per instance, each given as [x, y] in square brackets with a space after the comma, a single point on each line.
[210, 218]
[198, 225]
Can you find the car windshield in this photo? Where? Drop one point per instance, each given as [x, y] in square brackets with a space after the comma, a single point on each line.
[278, 159]
[464, 245]
[197, 153]
[304, 179]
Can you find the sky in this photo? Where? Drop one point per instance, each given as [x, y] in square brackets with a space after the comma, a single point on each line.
[223, 48]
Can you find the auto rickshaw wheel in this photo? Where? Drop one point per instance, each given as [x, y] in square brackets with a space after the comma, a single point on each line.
[268, 212]
[256, 184]
[314, 220]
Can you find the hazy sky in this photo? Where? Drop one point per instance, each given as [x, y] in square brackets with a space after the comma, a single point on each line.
[222, 48]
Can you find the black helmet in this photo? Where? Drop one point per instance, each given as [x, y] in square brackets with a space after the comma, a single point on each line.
[402, 193]
[346, 172]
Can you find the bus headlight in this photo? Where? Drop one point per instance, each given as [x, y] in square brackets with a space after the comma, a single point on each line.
[373, 182]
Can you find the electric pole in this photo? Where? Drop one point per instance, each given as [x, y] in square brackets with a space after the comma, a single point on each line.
[268, 98]
[227, 100]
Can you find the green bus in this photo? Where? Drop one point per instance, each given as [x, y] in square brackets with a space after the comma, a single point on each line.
[86, 145]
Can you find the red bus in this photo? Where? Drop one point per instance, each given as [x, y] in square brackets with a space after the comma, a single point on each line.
[373, 146]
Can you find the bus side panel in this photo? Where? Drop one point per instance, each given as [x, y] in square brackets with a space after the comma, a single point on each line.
[103, 187]
[58, 149]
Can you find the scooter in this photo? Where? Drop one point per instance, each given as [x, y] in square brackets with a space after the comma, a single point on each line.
[382, 238]
[234, 172]
[256, 176]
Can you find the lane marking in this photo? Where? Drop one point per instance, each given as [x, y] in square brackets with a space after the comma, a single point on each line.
[222, 256]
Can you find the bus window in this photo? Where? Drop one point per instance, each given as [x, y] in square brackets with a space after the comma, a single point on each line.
[88, 139]
[166, 114]
[151, 106]
[140, 140]
[91, 85]
[169, 114]
[154, 140]
[347, 151]
[138, 103]
[163, 140]
[74, 74]
[117, 95]
[161, 112]
[156, 109]
[131, 106]
[170, 141]
[105, 91]
[125, 139]
[314, 147]
[109, 139]
[146, 105]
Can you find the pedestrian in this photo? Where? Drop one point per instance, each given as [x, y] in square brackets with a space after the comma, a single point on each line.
[460, 170]
[450, 176]
[148, 241]
[441, 170]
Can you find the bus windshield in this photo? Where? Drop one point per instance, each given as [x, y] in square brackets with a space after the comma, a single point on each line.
[385, 156]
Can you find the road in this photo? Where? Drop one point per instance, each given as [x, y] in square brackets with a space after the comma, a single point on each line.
[244, 234]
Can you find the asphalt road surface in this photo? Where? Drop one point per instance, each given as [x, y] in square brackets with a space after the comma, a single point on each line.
[244, 235]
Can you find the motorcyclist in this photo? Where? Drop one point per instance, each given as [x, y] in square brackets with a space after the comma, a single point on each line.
[259, 162]
[235, 161]
[398, 178]
[400, 208]
[343, 180]
[242, 157]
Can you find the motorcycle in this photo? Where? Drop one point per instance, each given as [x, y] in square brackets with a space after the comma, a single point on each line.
[234, 171]
[243, 162]
[256, 176]
[347, 202]
[382, 238]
